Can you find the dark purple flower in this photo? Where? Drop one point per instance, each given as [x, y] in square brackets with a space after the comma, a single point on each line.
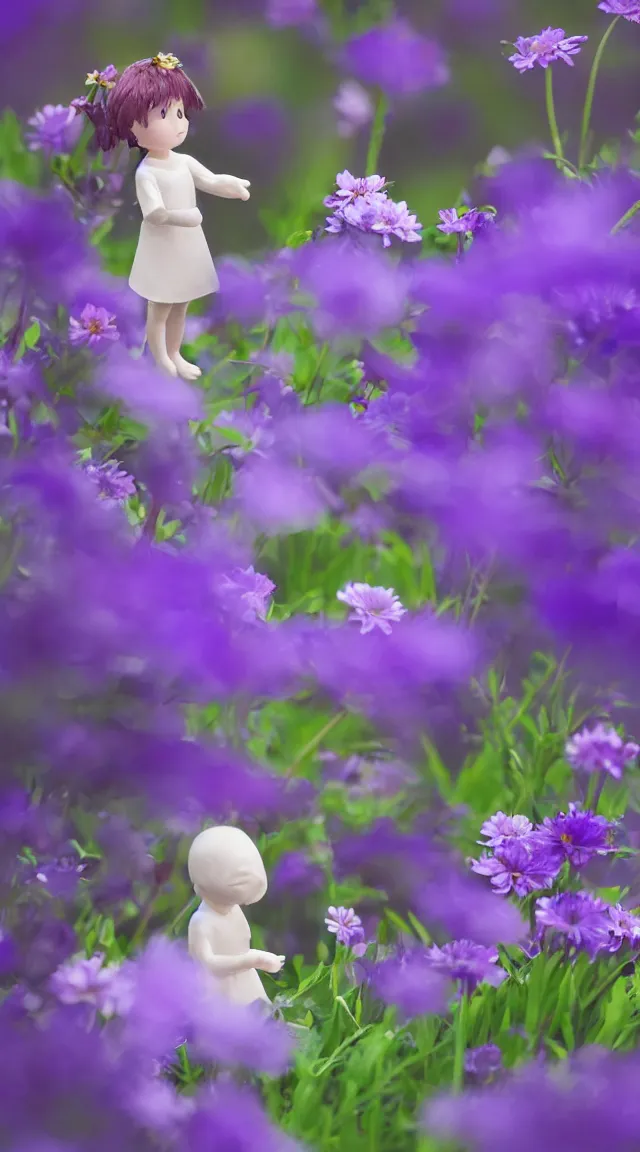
[501, 828]
[580, 920]
[481, 1064]
[59, 877]
[288, 13]
[628, 9]
[411, 984]
[354, 108]
[114, 485]
[56, 128]
[296, 874]
[93, 328]
[543, 49]
[468, 963]
[356, 292]
[395, 58]
[372, 607]
[600, 749]
[259, 123]
[345, 925]
[576, 835]
[463, 223]
[518, 867]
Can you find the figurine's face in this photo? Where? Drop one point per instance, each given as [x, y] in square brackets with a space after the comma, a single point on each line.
[166, 128]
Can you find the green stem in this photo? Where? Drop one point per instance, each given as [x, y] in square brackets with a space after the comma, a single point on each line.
[591, 87]
[635, 208]
[551, 113]
[315, 741]
[377, 135]
[460, 1043]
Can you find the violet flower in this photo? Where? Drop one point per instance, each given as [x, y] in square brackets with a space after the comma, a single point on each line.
[501, 828]
[624, 927]
[345, 925]
[372, 607]
[578, 919]
[94, 327]
[87, 981]
[518, 867]
[576, 836]
[628, 9]
[115, 486]
[600, 749]
[354, 108]
[544, 49]
[55, 129]
[468, 963]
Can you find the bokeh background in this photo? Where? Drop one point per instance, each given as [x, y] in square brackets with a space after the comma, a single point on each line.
[269, 94]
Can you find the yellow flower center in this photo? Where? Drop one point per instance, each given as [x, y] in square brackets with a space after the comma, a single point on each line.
[95, 327]
[166, 60]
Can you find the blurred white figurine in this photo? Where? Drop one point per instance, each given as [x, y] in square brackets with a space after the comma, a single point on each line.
[226, 871]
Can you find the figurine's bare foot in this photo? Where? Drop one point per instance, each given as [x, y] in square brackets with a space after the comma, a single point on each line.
[185, 369]
[167, 366]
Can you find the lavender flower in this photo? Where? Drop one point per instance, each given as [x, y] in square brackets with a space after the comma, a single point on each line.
[86, 981]
[628, 9]
[94, 327]
[501, 828]
[578, 919]
[350, 187]
[372, 607]
[624, 927]
[345, 925]
[114, 485]
[600, 749]
[353, 106]
[252, 589]
[545, 48]
[468, 963]
[576, 836]
[395, 58]
[465, 223]
[481, 1064]
[289, 13]
[102, 79]
[411, 984]
[517, 866]
[56, 129]
[363, 205]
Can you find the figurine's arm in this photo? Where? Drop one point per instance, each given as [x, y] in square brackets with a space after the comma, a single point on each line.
[153, 209]
[201, 950]
[229, 187]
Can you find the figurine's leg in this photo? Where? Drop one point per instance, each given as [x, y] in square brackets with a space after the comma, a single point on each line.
[157, 317]
[175, 335]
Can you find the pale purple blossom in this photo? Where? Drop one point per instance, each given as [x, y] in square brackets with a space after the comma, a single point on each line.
[94, 327]
[501, 827]
[580, 920]
[89, 981]
[544, 49]
[601, 749]
[252, 589]
[363, 205]
[463, 223]
[55, 129]
[114, 485]
[624, 927]
[349, 187]
[345, 925]
[517, 867]
[468, 963]
[289, 13]
[628, 9]
[353, 106]
[372, 607]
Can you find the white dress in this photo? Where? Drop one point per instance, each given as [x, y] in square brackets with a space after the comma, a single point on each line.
[225, 935]
[172, 264]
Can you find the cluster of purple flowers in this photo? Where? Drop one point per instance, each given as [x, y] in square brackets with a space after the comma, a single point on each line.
[362, 204]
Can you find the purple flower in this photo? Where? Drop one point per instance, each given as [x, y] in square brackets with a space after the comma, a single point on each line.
[56, 129]
[288, 13]
[354, 108]
[411, 984]
[501, 828]
[628, 9]
[102, 79]
[362, 204]
[600, 749]
[350, 187]
[543, 49]
[576, 835]
[295, 874]
[467, 222]
[356, 292]
[345, 925]
[86, 981]
[481, 1064]
[94, 326]
[517, 866]
[252, 589]
[582, 921]
[624, 926]
[395, 58]
[470, 964]
[114, 485]
[372, 607]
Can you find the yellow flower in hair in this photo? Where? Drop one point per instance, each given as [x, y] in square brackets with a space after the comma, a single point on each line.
[167, 61]
[105, 79]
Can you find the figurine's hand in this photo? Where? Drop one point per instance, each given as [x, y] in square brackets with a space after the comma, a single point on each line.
[197, 217]
[243, 189]
[268, 962]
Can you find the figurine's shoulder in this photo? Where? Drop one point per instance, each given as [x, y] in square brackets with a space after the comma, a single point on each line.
[145, 174]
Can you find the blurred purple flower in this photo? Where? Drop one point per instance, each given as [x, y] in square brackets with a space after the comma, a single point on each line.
[396, 59]
[296, 875]
[289, 13]
[467, 222]
[628, 9]
[252, 589]
[357, 293]
[600, 749]
[579, 920]
[354, 108]
[372, 607]
[8, 954]
[502, 828]
[345, 925]
[411, 984]
[481, 1064]
[115, 486]
[56, 129]
[43, 248]
[468, 963]
[624, 927]
[59, 877]
[88, 981]
[517, 866]
[94, 327]
[545, 48]
[576, 836]
[260, 123]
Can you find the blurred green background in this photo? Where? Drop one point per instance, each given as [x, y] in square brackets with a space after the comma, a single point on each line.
[269, 94]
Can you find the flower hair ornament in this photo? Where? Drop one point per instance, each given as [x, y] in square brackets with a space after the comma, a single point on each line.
[166, 61]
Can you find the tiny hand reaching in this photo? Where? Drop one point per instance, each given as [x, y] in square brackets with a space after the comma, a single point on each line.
[269, 962]
[243, 188]
[197, 218]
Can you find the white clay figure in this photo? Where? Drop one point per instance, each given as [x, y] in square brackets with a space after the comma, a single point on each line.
[226, 871]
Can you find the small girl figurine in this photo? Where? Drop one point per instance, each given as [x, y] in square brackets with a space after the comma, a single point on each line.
[149, 107]
[226, 871]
